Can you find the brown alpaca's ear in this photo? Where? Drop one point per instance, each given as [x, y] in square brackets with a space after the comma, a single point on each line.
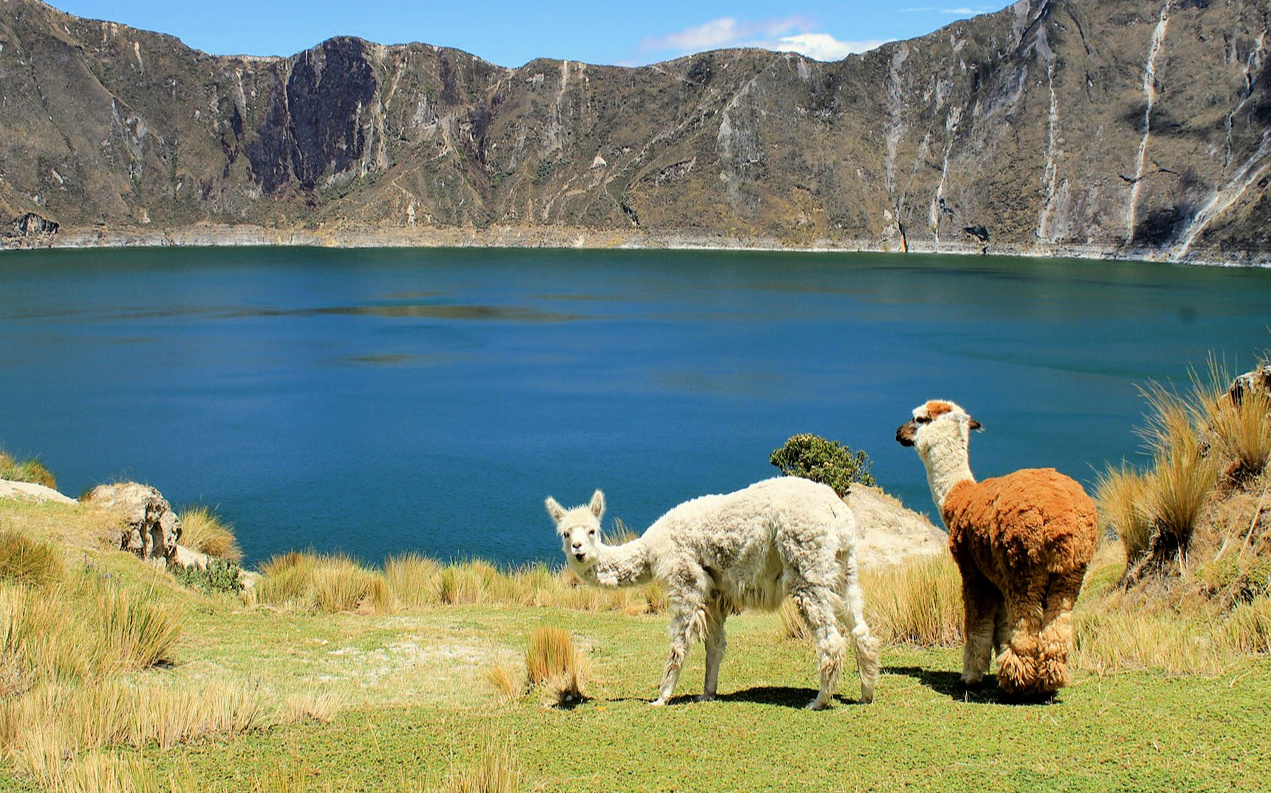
[597, 505]
[555, 510]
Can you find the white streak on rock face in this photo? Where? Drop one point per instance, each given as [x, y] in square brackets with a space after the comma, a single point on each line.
[895, 128]
[1051, 174]
[1149, 89]
[1246, 176]
[136, 50]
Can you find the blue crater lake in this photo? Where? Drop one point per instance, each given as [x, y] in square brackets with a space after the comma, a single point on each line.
[382, 401]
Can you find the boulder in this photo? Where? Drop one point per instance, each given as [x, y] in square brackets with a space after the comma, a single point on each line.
[151, 529]
[888, 533]
[1257, 380]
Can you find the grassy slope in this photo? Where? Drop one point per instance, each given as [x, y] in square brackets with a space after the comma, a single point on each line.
[417, 708]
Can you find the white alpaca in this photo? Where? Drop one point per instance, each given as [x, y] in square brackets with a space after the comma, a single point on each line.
[1022, 543]
[718, 554]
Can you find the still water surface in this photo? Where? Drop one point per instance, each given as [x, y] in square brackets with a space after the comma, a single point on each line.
[383, 401]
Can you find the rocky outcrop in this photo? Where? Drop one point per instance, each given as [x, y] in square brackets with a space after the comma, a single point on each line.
[1132, 128]
[150, 529]
[1257, 380]
[888, 533]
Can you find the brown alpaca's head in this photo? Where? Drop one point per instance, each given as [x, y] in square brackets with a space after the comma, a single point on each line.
[912, 432]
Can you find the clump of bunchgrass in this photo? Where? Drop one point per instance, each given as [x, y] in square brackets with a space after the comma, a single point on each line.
[413, 580]
[507, 682]
[27, 561]
[321, 707]
[1122, 496]
[497, 772]
[919, 602]
[31, 471]
[323, 583]
[554, 663]
[204, 531]
[136, 632]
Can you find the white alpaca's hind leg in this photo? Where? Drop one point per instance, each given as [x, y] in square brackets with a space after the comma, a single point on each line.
[817, 605]
[864, 644]
[716, 644]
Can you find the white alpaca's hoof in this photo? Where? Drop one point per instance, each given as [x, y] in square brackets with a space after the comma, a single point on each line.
[657, 703]
[817, 704]
[705, 697]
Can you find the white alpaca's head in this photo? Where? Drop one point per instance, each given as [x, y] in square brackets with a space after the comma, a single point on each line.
[940, 431]
[935, 423]
[579, 530]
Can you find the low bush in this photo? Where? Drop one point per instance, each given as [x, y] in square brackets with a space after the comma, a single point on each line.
[218, 576]
[828, 462]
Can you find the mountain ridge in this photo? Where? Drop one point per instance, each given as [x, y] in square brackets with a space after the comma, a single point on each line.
[1052, 127]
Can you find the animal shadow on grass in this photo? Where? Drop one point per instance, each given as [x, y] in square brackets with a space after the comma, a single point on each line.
[779, 696]
[950, 685]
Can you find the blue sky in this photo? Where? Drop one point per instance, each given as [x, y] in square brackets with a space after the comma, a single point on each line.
[513, 33]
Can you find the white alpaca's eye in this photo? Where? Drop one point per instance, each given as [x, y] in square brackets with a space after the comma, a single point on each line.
[923, 419]
[591, 533]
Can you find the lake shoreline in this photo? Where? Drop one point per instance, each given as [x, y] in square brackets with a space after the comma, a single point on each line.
[217, 235]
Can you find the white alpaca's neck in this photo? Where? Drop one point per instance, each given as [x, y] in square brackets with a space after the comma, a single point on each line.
[947, 463]
[620, 565]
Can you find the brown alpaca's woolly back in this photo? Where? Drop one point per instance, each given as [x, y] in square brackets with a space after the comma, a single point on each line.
[1031, 517]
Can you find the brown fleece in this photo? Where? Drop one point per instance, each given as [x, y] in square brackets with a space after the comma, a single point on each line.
[1022, 542]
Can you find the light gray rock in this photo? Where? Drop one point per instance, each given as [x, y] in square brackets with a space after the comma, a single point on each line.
[889, 533]
[151, 529]
[28, 490]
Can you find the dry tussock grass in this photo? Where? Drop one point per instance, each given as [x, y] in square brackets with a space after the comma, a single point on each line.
[204, 531]
[554, 663]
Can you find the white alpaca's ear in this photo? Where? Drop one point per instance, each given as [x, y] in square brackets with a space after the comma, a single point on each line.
[975, 425]
[597, 505]
[555, 510]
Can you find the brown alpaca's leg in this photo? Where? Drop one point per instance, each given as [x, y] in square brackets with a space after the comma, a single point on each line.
[1055, 637]
[1017, 671]
[980, 601]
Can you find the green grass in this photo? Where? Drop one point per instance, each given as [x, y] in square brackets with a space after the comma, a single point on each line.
[253, 698]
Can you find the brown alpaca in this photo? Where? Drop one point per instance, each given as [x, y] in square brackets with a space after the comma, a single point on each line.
[1022, 542]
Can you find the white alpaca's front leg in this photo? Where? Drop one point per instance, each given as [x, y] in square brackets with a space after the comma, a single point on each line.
[688, 622]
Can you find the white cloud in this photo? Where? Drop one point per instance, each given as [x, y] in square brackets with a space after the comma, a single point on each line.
[822, 46]
[787, 34]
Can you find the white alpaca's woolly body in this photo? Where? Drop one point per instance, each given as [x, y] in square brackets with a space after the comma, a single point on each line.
[749, 549]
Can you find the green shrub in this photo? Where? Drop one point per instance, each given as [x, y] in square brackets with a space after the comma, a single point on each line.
[828, 462]
[218, 576]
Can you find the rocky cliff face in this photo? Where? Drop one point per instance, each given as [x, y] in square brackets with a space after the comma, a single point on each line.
[1127, 127]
